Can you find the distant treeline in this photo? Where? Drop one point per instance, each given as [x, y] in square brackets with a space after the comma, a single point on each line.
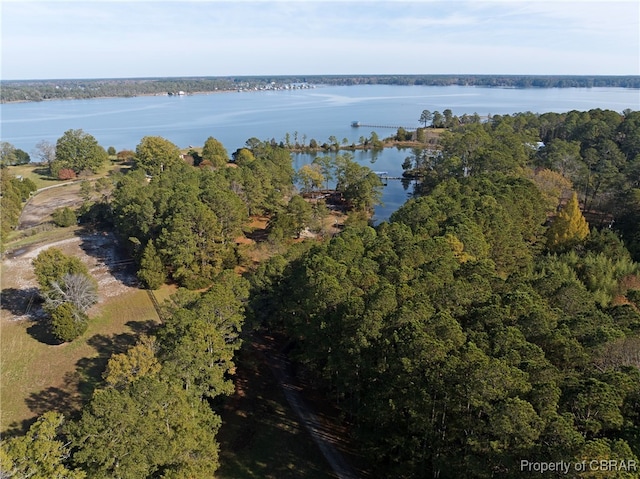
[38, 90]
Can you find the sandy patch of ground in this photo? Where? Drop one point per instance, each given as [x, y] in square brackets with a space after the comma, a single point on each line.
[39, 208]
[105, 259]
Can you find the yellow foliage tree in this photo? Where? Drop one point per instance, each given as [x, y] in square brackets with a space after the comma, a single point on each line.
[553, 186]
[137, 362]
[457, 247]
[568, 228]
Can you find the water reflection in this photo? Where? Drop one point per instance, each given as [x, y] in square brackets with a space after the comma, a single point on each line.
[395, 192]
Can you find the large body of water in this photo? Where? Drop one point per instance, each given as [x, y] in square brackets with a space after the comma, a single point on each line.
[316, 113]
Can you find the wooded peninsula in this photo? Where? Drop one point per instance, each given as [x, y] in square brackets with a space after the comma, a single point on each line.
[38, 90]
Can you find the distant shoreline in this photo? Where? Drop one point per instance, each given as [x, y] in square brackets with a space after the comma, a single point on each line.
[26, 91]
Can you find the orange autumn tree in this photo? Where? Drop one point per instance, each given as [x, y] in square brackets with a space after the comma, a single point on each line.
[568, 228]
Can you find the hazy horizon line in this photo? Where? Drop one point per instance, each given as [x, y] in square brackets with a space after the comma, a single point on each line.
[329, 75]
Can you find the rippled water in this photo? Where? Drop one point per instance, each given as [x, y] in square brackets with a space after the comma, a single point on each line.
[316, 113]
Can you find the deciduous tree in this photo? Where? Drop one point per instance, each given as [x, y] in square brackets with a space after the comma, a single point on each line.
[311, 177]
[138, 362]
[568, 228]
[78, 151]
[215, 152]
[155, 154]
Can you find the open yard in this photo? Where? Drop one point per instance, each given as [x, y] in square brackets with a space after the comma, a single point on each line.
[36, 373]
[39, 208]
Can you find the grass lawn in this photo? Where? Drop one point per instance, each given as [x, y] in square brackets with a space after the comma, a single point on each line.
[39, 234]
[37, 174]
[261, 437]
[37, 376]
[40, 176]
[165, 292]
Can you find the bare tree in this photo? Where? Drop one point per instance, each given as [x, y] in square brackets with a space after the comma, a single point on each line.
[77, 289]
[618, 353]
[45, 152]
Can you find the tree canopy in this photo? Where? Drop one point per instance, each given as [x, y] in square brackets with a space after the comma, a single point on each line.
[78, 151]
[155, 154]
[482, 324]
[68, 291]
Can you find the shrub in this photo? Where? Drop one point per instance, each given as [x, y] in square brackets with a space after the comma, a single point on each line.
[66, 174]
[67, 322]
[64, 217]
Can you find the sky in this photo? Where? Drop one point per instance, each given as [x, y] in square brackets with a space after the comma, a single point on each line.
[119, 38]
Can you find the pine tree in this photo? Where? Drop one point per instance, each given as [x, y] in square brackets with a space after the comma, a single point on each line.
[568, 228]
[151, 272]
[40, 454]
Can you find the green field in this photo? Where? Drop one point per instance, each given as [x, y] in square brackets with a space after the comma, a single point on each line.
[37, 376]
[38, 174]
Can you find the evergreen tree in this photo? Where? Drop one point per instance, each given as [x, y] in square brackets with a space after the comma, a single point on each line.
[67, 322]
[40, 454]
[150, 428]
[152, 272]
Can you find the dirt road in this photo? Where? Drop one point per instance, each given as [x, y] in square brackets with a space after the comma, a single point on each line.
[39, 207]
[281, 368]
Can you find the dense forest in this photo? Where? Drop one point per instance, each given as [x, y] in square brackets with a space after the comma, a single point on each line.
[479, 327]
[38, 90]
[494, 319]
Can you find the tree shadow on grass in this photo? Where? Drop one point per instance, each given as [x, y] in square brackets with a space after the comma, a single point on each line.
[18, 428]
[78, 385]
[64, 399]
[148, 327]
[20, 302]
[92, 369]
[45, 174]
[27, 304]
[40, 331]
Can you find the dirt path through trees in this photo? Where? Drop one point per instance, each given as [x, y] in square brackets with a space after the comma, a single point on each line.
[282, 369]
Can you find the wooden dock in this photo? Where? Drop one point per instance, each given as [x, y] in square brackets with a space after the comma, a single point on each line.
[357, 124]
[384, 175]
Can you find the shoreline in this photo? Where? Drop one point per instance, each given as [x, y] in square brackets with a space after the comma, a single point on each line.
[167, 94]
[213, 92]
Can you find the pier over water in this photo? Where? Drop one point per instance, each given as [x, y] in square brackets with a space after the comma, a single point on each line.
[357, 124]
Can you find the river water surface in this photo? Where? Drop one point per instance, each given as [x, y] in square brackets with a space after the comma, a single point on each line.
[305, 114]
